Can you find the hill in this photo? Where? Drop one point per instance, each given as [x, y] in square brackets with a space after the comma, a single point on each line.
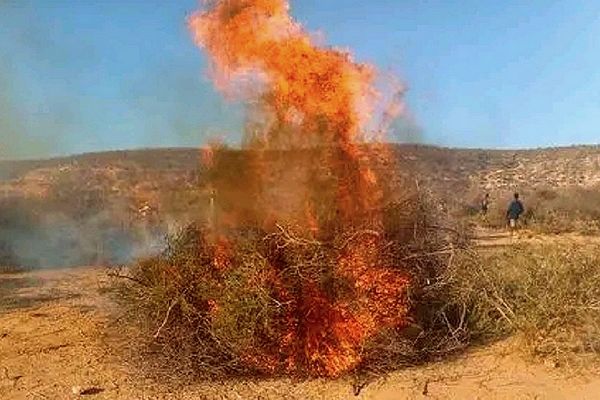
[108, 206]
[447, 169]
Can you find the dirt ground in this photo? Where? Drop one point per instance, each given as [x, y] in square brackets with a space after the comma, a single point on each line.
[59, 340]
[491, 238]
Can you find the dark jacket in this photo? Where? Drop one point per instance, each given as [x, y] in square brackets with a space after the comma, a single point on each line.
[515, 209]
[485, 205]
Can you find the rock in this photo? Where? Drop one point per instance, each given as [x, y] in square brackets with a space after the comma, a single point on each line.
[551, 363]
[79, 391]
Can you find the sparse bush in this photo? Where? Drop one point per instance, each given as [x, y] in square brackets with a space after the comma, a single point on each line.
[12, 269]
[549, 295]
[565, 210]
[547, 210]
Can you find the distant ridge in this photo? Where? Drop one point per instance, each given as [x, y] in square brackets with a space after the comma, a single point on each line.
[443, 168]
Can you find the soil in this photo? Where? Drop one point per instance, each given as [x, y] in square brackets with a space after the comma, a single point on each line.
[491, 238]
[60, 338]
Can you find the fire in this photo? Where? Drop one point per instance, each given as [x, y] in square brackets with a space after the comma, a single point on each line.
[307, 97]
[320, 92]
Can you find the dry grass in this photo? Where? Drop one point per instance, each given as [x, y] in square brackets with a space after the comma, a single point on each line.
[547, 210]
[548, 295]
[565, 210]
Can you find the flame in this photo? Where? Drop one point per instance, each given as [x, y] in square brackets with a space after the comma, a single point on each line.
[207, 157]
[321, 92]
[221, 259]
[304, 96]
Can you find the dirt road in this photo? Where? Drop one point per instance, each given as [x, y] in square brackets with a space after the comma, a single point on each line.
[58, 341]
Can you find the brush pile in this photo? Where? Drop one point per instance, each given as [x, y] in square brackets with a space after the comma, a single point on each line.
[254, 302]
[318, 268]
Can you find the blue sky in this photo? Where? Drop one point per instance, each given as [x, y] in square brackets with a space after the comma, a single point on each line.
[89, 75]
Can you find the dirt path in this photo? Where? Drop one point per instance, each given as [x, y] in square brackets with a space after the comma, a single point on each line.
[492, 238]
[54, 345]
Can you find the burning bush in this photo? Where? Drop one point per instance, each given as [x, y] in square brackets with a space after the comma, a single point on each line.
[312, 268]
[283, 302]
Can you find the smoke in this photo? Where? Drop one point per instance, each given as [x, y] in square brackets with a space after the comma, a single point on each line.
[405, 130]
[15, 139]
[59, 241]
[32, 235]
[66, 87]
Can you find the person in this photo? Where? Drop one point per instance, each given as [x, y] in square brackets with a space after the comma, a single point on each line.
[515, 209]
[485, 204]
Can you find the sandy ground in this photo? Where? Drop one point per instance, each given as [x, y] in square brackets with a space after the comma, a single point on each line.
[58, 340]
[490, 238]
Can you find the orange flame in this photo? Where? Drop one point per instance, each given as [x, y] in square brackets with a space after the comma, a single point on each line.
[321, 92]
[306, 96]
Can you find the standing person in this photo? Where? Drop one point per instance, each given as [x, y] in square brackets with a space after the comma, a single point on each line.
[484, 207]
[485, 204]
[212, 210]
[515, 209]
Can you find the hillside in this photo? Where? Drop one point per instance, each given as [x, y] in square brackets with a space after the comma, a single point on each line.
[108, 206]
[152, 170]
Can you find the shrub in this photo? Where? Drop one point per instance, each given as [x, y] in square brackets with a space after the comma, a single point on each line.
[549, 295]
[283, 301]
[547, 210]
[565, 210]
